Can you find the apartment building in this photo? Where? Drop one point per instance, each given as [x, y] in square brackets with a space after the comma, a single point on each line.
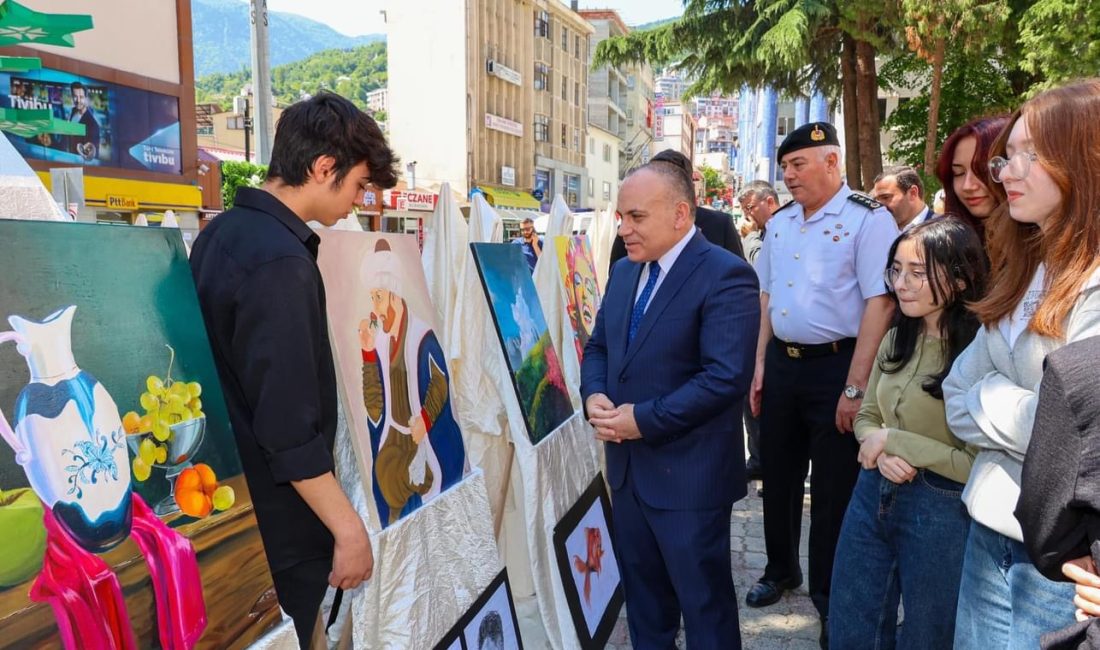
[620, 98]
[489, 95]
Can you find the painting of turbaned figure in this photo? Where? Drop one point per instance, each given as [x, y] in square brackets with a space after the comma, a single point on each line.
[391, 369]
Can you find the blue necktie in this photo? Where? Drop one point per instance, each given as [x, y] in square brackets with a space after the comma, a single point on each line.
[643, 300]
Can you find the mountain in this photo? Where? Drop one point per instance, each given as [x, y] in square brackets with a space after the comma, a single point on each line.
[221, 37]
[655, 23]
[352, 73]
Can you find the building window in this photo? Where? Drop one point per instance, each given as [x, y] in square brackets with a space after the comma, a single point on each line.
[564, 136]
[592, 187]
[235, 122]
[630, 117]
[577, 46]
[542, 128]
[606, 191]
[542, 24]
[542, 76]
[572, 190]
[606, 152]
[630, 81]
[783, 126]
[577, 93]
[576, 139]
[565, 38]
[592, 146]
[564, 89]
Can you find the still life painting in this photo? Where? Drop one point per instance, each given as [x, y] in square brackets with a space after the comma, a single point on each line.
[124, 515]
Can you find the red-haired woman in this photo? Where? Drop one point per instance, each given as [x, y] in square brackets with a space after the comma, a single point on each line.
[1044, 247]
[964, 172]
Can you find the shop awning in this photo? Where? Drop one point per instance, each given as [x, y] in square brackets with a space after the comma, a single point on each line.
[500, 197]
[130, 195]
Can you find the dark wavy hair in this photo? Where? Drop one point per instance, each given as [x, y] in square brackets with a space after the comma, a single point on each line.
[330, 125]
[984, 130]
[957, 272]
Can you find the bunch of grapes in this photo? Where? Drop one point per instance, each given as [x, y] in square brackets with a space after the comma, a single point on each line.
[166, 402]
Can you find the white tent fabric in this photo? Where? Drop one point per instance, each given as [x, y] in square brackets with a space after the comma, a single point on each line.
[446, 236]
[601, 234]
[350, 222]
[22, 194]
[476, 363]
[141, 220]
[551, 290]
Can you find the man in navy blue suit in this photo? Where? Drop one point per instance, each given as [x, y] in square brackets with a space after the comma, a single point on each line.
[669, 361]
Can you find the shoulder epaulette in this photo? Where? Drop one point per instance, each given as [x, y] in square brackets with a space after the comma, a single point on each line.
[785, 205]
[864, 200]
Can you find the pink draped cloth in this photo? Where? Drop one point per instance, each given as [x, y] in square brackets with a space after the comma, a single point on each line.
[87, 599]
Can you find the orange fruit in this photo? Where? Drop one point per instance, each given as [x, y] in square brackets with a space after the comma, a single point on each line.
[131, 422]
[209, 480]
[195, 504]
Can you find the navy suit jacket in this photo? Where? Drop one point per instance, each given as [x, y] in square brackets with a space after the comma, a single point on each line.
[686, 372]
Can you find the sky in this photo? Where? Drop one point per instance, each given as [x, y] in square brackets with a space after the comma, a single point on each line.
[358, 17]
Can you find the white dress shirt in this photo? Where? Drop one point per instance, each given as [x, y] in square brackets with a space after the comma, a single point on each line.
[665, 262]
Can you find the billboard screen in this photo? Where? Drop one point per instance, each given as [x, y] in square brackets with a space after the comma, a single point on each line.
[123, 127]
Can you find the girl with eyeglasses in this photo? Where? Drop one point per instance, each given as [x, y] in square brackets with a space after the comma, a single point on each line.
[1044, 247]
[905, 527]
[964, 174]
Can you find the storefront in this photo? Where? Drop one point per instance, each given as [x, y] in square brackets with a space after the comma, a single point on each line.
[120, 200]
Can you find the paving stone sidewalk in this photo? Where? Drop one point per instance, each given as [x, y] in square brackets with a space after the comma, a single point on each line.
[790, 624]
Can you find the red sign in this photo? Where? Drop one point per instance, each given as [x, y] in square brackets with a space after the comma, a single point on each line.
[407, 200]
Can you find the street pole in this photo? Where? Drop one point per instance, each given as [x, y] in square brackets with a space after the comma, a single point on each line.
[261, 81]
[247, 132]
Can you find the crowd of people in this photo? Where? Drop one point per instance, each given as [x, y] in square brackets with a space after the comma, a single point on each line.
[936, 368]
[938, 371]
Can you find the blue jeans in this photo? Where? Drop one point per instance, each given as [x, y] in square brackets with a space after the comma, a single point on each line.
[1004, 602]
[898, 541]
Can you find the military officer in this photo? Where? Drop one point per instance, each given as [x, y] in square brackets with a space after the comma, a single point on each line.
[824, 311]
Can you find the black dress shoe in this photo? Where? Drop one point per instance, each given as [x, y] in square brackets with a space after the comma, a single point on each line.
[768, 592]
[823, 640]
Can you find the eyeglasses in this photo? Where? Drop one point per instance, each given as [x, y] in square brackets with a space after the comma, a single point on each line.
[1018, 164]
[912, 280]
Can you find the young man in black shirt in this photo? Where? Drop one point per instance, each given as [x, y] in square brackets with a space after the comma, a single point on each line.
[255, 268]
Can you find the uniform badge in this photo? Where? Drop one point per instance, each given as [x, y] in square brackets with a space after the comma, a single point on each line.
[864, 200]
[828, 232]
[817, 135]
[836, 237]
[846, 234]
[838, 226]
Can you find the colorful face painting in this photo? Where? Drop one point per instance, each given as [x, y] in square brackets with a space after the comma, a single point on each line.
[521, 326]
[120, 483]
[583, 295]
[391, 369]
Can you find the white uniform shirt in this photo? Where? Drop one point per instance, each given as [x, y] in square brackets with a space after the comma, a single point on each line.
[819, 272]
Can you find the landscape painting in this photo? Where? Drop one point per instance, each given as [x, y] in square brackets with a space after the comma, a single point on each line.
[125, 518]
[517, 315]
[582, 294]
[391, 369]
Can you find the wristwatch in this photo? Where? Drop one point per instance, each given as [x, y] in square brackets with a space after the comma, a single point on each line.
[853, 392]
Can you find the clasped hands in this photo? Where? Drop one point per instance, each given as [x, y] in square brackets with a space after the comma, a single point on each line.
[872, 455]
[612, 423]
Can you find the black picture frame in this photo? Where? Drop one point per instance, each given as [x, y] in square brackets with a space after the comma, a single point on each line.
[455, 638]
[566, 528]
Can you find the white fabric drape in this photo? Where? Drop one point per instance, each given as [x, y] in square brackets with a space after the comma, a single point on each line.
[552, 297]
[445, 243]
[22, 194]
[601, 234]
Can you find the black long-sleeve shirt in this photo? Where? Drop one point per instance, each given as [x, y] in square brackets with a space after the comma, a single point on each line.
[263, 301]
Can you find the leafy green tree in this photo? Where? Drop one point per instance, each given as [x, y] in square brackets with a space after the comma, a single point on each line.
[713, 185]
[1060, 40]
[972, 85]
[240, 174]
[969, 25]
[351, 73]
